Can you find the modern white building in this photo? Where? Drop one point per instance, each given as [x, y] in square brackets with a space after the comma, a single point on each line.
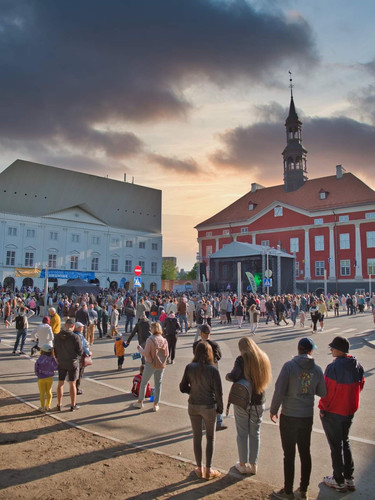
[77, 224]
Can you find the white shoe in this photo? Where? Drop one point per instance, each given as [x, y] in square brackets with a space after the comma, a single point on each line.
[138, 405]
[156, 408]
[252, 468]
[242, 469]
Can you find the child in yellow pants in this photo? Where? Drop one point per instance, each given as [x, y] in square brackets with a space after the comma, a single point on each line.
[45, 367]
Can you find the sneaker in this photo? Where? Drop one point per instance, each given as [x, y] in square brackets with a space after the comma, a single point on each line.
[252, 468]
[74, 408]
[41, 408]
[79, 392]
[14, 353]
[350, 484]
[303, 495]
[332, 483]
[138, 405]
[58, 408]
[22, 352]
[242, 469]
[119, 367]
[156, 408]
[281, 494]
[221, 427]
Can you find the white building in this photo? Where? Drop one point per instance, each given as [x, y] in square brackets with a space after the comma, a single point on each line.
[77, 224]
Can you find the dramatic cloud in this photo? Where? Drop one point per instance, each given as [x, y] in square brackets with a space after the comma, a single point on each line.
[187, 166]
[329, 141]
[70, 68]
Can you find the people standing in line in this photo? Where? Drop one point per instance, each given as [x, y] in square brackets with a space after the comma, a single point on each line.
[254, 315]
[229, 311]
[344, 379]
[45, 367]
[206, 337]
[299, 381]
[78, 330]
[155, 354]
[99, 312]
[223, 305]
[315, 315]
[55, 320]
[190, 312]
[336, 306]
[209, 312]
[171, 328]
[201, 380]
[82, 316]
[22, 324]
[68, 352]
[254, 367]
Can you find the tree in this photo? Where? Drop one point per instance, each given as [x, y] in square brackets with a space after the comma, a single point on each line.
[168, 270]
[192, 275]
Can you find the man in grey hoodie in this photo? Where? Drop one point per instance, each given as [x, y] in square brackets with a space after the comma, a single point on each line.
[299, 381]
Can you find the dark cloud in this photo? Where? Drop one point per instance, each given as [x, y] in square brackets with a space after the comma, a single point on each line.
[68, 67]
[364, 102]
[187, 166]
[257, 148]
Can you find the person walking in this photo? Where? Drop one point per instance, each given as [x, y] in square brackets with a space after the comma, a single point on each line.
[129, 315]
[182, 313]
[156, 354]
[22, 324]
[68, 352]
[143, 331]
[170, 329]
[315, 315]
[254, 315]
[345, 380]
[298, 382]
[201, 380]
[254, 367]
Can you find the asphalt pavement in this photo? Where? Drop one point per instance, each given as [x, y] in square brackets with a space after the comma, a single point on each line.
[106, 400]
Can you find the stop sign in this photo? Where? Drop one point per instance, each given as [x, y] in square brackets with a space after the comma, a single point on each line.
[137, 270]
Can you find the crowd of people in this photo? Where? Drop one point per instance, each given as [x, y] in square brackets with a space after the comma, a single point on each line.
[67, 333]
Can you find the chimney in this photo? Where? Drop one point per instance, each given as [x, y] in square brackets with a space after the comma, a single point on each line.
[255, 186]
[125, 177]
[339, 171]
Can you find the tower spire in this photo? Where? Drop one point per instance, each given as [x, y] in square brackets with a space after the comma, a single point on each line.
[294, 153]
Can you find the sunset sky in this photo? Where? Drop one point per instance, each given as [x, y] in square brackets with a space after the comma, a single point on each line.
[187, 96]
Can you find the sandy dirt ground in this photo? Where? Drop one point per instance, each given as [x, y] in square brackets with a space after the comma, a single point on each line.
[43, 458]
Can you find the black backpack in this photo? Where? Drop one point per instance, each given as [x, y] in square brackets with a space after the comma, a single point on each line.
[240, 394]
[20, 322]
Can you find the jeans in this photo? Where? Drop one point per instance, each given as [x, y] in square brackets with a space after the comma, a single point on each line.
[248, 432]
[197, 333]
[198, 414]
[129, 322]
[271, 314]
[294, 317]
[336, 428]
[172, 341]
[182, 318]
[21, 336]
[158, 377]
[296, 431]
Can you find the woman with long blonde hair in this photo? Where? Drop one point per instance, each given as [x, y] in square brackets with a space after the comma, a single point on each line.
[253, 368]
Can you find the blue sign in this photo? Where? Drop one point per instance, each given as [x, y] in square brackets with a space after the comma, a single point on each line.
[267, 281]
[137, 282]
[122, 283]
[68, 275]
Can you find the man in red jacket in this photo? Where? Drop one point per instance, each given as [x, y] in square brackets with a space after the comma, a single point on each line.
[344, 380]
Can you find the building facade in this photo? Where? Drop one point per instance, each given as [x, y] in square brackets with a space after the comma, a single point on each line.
[74, 224]
[328, 223]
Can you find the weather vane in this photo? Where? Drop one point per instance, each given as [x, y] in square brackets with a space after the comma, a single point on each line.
[291, 84]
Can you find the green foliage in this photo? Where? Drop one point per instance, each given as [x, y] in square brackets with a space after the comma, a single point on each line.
[192, 275]
[168, 270]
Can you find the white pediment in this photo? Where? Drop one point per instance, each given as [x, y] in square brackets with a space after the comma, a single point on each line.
[75, 214]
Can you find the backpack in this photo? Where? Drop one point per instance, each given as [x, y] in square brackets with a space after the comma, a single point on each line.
[20, 322]
[160, 359]
[240, 394]
[136, 386]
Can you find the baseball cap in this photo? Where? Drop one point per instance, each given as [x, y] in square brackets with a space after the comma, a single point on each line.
[307, 343]
[46, 348]
[78, 324]
[341, 344]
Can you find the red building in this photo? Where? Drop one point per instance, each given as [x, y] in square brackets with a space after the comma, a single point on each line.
[328, 222]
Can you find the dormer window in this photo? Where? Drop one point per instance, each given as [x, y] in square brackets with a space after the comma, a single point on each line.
[252, 205]
[323, 194]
